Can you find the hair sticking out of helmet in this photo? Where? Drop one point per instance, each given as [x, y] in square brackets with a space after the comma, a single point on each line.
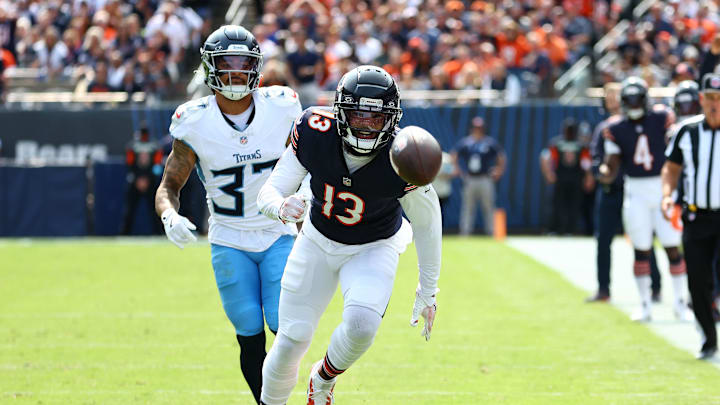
[367, 107]
[232, 61]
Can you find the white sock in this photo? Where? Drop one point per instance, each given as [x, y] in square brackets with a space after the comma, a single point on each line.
[643, 285]
[678, 271]
[280, 370]
[353, 337]
[679, 282]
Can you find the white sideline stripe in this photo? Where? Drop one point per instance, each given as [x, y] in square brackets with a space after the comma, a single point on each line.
[96, 345]
[92, 366]
[96, 240]
[108, 315]
[76, 393]
[153, 366]
[577, 265]
[109, 345]
[232, 392]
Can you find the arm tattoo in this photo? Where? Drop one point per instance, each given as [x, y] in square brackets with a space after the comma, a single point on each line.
[178, 167]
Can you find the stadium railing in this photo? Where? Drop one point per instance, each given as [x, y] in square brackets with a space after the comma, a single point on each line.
[653, 92]
[74, 97]
[236, 13]
[576, 79]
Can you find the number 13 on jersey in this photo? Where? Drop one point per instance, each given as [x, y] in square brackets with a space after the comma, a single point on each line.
[354, 214]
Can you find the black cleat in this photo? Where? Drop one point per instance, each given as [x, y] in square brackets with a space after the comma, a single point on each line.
[706, 353]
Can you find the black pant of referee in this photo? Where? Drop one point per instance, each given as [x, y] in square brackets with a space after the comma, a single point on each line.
[701, 241]
[694, 151]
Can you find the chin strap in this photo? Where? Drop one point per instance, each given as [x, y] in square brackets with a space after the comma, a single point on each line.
[355, 152]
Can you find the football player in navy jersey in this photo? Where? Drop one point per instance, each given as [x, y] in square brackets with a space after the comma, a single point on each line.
[233, 139]
[355, 234]
[637, 143]
[608, 204]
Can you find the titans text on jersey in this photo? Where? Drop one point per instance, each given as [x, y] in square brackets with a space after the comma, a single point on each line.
[232, 162]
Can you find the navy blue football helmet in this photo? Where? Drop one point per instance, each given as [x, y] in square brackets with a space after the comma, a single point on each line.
[687, 99]
[367, 108]
[634, 97]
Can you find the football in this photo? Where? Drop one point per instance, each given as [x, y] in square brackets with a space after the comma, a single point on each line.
[415, 155]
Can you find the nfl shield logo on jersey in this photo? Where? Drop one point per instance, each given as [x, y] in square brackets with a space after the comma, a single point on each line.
[243, 140]
[347, 181]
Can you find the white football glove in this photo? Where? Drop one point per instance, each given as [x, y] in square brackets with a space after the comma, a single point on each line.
[424, 306]
[177, 228]
[293, 209]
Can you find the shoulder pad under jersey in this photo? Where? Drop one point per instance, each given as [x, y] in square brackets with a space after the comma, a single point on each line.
[187, 113]
[312, 122]
[280, 95]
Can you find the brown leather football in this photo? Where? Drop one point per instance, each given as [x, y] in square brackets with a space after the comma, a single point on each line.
[415, 155]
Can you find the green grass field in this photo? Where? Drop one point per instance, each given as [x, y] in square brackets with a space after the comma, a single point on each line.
[117, 322]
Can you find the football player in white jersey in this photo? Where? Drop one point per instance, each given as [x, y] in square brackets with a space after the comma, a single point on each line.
[234, 138]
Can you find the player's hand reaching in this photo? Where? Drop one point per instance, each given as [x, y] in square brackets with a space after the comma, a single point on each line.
[293, 209]
[425, 306]
[177, 228]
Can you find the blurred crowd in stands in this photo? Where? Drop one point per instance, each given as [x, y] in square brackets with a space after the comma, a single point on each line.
[519, 46]
[668, 44]
[101, 45]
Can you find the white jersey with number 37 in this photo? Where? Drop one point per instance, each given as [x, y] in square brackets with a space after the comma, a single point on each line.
[233, 164]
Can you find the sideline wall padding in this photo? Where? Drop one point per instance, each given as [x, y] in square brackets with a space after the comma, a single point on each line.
[43, 201]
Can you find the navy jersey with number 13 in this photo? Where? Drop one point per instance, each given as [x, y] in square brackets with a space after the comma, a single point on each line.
[642, 142]
[348, 208]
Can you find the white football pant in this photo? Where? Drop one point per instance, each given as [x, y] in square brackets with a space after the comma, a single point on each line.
[642, 214]
[366, 274]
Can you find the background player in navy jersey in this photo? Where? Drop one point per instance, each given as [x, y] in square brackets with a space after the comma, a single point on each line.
[355, 234]
[637, 143]
[233, 138]
[608, 204]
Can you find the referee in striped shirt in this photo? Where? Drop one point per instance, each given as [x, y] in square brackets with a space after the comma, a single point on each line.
[695, 150]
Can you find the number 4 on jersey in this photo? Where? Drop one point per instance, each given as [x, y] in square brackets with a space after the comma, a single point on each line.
[642, 156]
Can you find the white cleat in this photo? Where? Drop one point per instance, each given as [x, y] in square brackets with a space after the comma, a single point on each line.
[320, 391]
[642, 314]
[682, 312]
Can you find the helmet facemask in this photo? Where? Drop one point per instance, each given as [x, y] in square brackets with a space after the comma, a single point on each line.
[366, 126]
[223, 70]
[634, 103]
[686, 104]
[687, 99]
